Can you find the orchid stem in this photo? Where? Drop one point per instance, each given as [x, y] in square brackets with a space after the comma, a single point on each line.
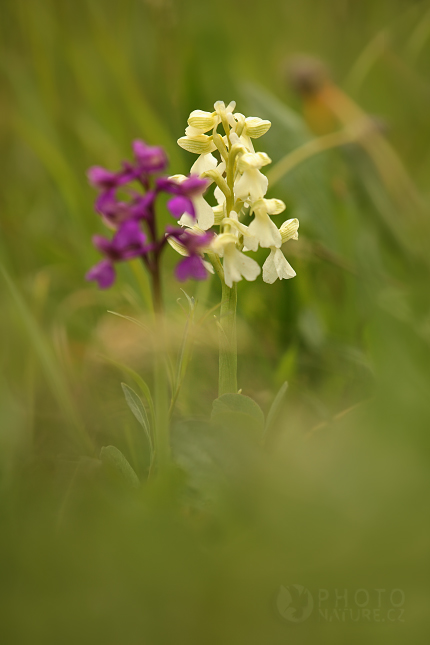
[228, 341]
[162, 433]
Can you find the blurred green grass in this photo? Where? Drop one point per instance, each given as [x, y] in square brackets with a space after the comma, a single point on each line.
[338, 501]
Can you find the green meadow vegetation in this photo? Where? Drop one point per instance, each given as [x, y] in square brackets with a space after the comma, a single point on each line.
[324, 495]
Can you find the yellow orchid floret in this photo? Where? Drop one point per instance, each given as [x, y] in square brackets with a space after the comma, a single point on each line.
[251, 185]
[236, 264]
[203, 121]
[263, 228]
[255, 127]
[290, 230]
[199, 144]
[276, 265]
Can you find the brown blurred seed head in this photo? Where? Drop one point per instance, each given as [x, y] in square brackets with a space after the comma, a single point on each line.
[307, 75]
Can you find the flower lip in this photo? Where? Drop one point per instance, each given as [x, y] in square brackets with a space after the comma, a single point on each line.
[191, 267]
[180, 205]
[276, 267]
[192, 244]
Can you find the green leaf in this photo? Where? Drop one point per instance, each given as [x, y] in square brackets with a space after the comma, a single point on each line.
[275, 407]
[200, 452]
[115, 462]
[237, 403]
[140, 383]
[238, 412]
[129, 319]
[135, 404]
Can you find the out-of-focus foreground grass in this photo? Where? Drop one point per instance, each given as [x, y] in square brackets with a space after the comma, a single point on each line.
[339, 499]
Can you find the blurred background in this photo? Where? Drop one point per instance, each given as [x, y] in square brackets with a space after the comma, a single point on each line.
[340, 498]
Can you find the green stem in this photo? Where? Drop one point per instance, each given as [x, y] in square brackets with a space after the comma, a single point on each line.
[228, 341]
[162, 438]
[216, 263]
[161, 405]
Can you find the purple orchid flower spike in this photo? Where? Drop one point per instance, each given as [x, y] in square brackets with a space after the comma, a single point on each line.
[127, 214]
[148, 160]
[127, 243]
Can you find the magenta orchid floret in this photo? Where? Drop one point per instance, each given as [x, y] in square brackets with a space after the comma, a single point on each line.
[106, 180]
[192, 245]
[126, 203]
[149, 159]
[186, 191]
[127, 243]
